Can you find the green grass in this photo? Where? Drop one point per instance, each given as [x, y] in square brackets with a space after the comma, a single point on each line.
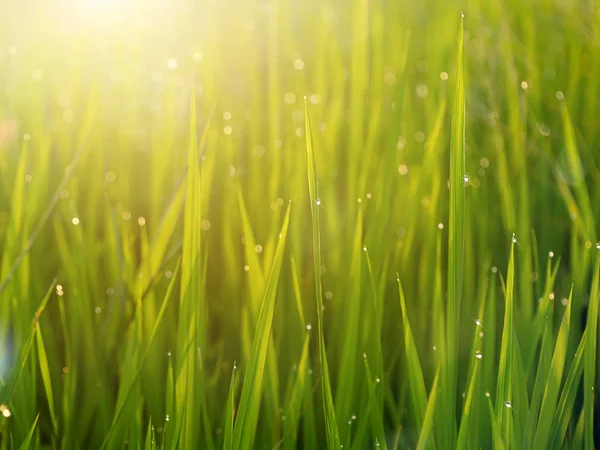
[299, 225]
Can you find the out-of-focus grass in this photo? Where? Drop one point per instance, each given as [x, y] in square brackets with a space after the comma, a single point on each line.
[225, 254]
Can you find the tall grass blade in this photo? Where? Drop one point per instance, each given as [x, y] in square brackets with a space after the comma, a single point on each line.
[247, 416]
[589, 366]
[456, 240]
[333, 439]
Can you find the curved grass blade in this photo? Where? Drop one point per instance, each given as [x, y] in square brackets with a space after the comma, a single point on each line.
[295, 399]
[416, 381]
[564, 410]
[333, 439]
[247, 416]
[554, 378]
[129, 389]
[426, 434]
[46, 379]
[27, 441]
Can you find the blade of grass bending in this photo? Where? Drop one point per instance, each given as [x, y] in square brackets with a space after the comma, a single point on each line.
[426, 435]
[564, 410]
[541, 379]
[418, 392]
[249, 407]
[589, 365]
[46, 379]
[257, 288]
[159, 318]
[27, 441]
[333, 439]
[554, 378]
[456, 239]
[295, 399]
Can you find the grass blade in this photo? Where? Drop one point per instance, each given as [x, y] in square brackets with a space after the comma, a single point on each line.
[46, 379]
[504, 389]
[548, 406]
[426, 435]
[230, 413]
[456, 240]
[415, 374]
[27, 441]
[247, 416]
[589, 370]
[333, 439]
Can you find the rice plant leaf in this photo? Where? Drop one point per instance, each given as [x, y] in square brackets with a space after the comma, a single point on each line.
[247, 416]
[46, 379]
[229, 413]
[589, 370]
[426, 439]
[332, 433]
[150, 442]
[295, 400]
[27, 441]
[553, 382]
[128, 389]
[374, 408]
[415, 373]
[564, 410]
[496, 432]
[504, 388]
[456, 237]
